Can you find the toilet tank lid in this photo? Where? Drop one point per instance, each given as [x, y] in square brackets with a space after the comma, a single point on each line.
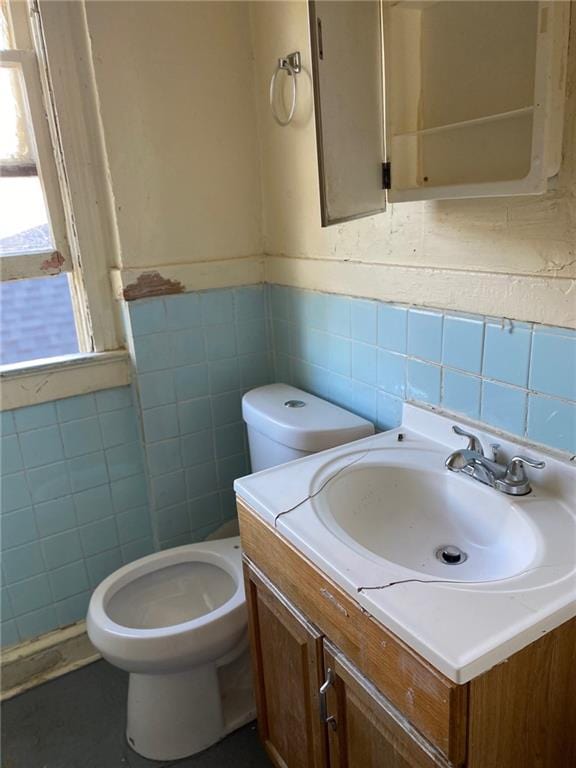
[299, 420]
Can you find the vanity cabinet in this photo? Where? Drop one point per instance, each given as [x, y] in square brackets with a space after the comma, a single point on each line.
[382, 705]
[287, 661]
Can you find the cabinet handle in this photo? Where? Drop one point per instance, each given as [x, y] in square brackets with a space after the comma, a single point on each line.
[329, 720]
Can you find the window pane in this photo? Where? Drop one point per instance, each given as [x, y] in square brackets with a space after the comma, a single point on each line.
[24, 226]
[36, 319]
[23, 219]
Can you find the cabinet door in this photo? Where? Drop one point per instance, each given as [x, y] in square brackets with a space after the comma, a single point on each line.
[474, 96]
[365, 731]
[287, 660]
[347, 65]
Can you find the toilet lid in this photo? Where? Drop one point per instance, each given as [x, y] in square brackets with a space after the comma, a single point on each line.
[171, 595]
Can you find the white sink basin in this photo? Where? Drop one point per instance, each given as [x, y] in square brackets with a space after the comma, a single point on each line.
[408, 516]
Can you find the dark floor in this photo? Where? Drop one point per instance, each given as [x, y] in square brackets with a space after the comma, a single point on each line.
[78, 721]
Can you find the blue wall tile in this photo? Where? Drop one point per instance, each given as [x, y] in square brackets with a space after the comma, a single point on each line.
[35, 416]
[423, 382]
[69, 580]
[463, 339]
[197, 448]
[156, 388]
[55, 516]
[41, 446]
[552, 422]
[365, 321]
[553, 369]
[250, 302]
[204, 511]
[389, 413]
[37, 623]
[507, 353]
[147, 316]
[392, 373]
[133, 524]
[425, 334]
[504, 407]
[99, 536]
[118, 427]
[80, 437]
[79, 407]
[18, 528]
[23, 562]
[392, 327]
[30, 595]
[61, 549]
[202, 479]
[338, 314]
[93, 504]
[364, 363]
[73, 609]
[87, 471]
[164, 457]
[15, 493]
[168, 490]
[11, 455]
[461, 393]
[113, 399]
[217, 307]
[182, 311]
[194, 415]
[50, 482]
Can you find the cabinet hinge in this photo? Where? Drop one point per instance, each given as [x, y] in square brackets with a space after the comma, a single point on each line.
[386, 176]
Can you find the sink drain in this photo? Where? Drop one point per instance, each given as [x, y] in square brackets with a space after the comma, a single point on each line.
[450, 554]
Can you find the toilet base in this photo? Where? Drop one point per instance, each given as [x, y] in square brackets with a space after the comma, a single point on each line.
[176, 715]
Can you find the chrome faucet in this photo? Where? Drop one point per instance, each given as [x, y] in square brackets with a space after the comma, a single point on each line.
[508, 478]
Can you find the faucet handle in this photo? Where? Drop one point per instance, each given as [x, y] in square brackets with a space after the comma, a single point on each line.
[515, 469]
[515, 480]
[474, 443]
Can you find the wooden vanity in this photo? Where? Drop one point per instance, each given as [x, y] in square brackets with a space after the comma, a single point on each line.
[384, 706]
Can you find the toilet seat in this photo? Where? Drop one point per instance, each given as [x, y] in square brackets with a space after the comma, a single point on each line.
[165, 647]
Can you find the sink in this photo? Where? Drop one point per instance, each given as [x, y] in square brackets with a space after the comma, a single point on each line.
[430, 522]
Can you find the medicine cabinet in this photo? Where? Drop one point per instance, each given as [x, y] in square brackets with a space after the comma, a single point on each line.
[435, 99]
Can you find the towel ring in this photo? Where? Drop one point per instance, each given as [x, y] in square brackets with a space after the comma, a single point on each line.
[291, 65]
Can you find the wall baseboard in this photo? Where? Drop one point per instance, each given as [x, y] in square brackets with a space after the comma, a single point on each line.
[45, 658]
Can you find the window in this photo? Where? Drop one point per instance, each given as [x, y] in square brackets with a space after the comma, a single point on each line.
[37, 319]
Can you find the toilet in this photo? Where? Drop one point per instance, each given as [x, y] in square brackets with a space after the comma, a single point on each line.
[285, 423]
[176, 620]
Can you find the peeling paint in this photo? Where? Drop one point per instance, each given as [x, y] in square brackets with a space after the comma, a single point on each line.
[53, 265]
[151, 284]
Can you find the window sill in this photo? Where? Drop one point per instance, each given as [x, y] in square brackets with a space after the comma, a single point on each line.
[56, 378]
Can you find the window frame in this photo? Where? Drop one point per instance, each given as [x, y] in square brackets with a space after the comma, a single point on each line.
[54, 34]
[52, 37]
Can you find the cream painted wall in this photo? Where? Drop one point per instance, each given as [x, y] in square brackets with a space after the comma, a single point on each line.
[175, 85]
[514, 257]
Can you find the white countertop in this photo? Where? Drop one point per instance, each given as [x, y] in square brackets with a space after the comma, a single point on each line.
[462, 628]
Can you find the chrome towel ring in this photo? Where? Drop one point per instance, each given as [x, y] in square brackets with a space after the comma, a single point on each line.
[292, 65]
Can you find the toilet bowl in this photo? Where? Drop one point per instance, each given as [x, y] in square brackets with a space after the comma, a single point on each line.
[177, 622]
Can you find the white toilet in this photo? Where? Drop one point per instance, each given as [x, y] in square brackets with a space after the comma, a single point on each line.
[285, 423]
[176, 620]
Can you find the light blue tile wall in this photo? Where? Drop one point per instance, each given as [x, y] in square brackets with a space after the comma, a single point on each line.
[518, 377]
[195, 355]
[74, 506]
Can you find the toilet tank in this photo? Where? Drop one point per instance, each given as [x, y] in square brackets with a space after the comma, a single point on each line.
[285, 423]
